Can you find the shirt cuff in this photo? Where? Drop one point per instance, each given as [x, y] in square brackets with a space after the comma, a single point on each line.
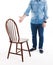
[26, 14]
[45, 18]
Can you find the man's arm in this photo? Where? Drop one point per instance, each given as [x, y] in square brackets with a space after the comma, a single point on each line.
[26, 13]
[45, 12]
[45, 15]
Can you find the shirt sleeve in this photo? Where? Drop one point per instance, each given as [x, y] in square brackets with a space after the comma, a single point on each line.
[28, 9]
[45, 11]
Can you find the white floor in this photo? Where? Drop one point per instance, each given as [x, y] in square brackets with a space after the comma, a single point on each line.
[36, 58]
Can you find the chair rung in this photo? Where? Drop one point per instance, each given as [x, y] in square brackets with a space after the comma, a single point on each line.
[15, 53]
[22, 49]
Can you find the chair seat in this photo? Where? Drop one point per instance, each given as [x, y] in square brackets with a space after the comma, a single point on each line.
[23, 40]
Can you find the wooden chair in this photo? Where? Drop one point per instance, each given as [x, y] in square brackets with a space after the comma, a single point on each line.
[14, 37]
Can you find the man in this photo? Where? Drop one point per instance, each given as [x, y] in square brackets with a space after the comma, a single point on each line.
[38, 21]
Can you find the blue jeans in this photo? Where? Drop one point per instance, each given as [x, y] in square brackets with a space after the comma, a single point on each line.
[34, 28]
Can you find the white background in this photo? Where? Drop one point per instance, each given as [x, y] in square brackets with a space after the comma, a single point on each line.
[13, 9]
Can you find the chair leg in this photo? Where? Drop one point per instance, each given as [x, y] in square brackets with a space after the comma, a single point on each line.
[28, 48]
[22, 52]
[9, 50]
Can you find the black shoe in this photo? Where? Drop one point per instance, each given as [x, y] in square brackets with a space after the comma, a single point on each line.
[41, 51]
[32, 49]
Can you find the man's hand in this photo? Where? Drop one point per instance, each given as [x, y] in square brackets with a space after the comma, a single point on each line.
[21, 18]
[44, 24]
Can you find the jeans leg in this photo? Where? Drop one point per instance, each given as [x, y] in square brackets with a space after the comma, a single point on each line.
[40, 31]
[34, 34]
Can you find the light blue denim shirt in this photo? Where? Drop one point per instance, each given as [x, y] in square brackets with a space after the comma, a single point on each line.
[39, 11]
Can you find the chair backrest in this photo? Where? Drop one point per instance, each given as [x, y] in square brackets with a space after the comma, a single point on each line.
[12, 30]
